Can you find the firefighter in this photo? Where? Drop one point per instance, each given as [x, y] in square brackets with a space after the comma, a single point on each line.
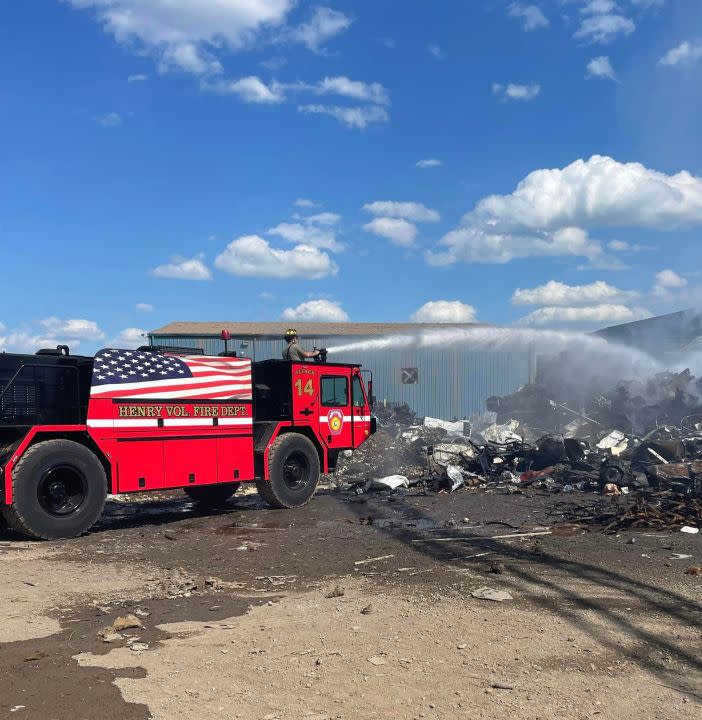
[294, 351]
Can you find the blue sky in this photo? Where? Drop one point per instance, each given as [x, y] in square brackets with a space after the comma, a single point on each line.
[535, 163]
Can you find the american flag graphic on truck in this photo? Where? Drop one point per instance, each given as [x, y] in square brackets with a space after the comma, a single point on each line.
[132, 374]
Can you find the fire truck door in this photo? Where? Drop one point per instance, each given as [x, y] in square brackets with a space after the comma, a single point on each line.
[360, 411]
[335, 420]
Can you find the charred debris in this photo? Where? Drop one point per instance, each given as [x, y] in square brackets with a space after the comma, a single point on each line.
[639, 444]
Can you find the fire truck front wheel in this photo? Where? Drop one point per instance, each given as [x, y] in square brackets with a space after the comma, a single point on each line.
[293, 466]
[58, 491]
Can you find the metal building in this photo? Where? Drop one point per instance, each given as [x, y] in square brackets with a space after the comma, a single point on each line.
[449, 383]
[663, 337]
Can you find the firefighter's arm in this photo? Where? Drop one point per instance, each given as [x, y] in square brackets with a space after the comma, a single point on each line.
[310, 353]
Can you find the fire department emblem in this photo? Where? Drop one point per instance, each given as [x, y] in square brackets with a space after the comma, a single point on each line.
[335, 418]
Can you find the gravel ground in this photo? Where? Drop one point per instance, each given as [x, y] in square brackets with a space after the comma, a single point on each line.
[237, 622]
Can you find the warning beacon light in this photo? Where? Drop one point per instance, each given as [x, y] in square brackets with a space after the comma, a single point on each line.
[227, 336]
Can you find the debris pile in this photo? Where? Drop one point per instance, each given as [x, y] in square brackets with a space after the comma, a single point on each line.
[618, 444]
[398, 448]
[663, 510]
[632, 406]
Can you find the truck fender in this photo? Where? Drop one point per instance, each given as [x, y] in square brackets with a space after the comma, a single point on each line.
[269, 436]
[37, 433]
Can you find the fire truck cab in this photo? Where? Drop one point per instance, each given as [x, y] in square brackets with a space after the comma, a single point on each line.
[74, 429]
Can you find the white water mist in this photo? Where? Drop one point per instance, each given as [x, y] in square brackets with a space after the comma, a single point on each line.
[603, 358]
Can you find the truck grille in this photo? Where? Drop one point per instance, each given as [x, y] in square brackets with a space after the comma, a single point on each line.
[18, 403]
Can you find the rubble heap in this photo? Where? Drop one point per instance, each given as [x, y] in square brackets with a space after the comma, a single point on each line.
[576, 452]
[662, 510]
[632, 406]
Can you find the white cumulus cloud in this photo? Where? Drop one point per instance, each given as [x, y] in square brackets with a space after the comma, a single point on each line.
[666, 281]
[429, 163]
[684, 54]
[112, 119]
[513, 91]
[193, 36]
[323, 25]
[354, 89]
[20, 341]
[144, 307]
[444, 311]
[73, 329]
[139, 77]
[436, 51]
[551, 211]
[369, 92]
[316, 311]
[670, 279]
[250, 89]
[186, 32]
[305, 203]
[559, 294]
[48, 333]
[623, 246]
[602, 21]
[252, 256]
[598, 191]
[414, 211]
[601, 67]
[181, 268]
[531, 16]
[190, 58]
[473, 244]
[598, 7]
[355, 117]
[130, 338]
[398, 231]
[595, 315]
[324, 218]
[254, 90]
[310, 232]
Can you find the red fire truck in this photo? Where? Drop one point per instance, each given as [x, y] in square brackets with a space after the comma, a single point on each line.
[75, 428]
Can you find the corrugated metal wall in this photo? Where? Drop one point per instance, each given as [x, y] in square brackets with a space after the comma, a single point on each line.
[453, 383]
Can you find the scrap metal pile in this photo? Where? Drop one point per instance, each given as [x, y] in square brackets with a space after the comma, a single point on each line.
[640, 436]
[660, 510]
[634, 407]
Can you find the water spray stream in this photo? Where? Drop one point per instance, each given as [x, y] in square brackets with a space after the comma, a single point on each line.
[601, 355]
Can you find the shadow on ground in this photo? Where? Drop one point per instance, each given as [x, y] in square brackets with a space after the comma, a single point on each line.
[534, 568]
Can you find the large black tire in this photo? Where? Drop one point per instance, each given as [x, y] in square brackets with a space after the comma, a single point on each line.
[611, 473]
[293, 466]
[58, 491]
[212, 495]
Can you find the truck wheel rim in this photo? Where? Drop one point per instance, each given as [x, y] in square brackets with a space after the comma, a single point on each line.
[613, 475]
[62, 490]
[296, 471]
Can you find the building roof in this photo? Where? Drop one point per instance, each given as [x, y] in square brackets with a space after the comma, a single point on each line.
[313, 329]
[681, 317]
[659, 335]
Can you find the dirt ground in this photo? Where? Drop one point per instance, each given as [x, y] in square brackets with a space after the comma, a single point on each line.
[237, 622]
